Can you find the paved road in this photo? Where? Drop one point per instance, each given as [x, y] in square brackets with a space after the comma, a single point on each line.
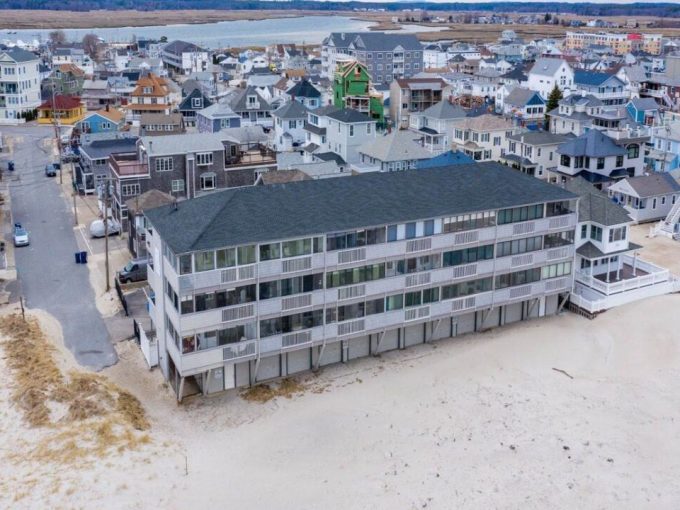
[49, 278]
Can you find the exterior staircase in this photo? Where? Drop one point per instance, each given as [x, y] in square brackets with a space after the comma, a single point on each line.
[670, 227]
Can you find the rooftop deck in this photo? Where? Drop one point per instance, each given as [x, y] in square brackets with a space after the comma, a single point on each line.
[126, 164]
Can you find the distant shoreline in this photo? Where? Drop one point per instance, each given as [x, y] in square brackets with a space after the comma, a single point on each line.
[70, 20]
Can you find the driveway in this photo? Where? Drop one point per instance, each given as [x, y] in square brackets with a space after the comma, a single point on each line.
[48, 276]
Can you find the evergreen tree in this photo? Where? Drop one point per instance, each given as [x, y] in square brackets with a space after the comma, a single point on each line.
[553, 99]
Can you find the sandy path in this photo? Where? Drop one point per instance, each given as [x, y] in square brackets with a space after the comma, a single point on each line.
[482, 421]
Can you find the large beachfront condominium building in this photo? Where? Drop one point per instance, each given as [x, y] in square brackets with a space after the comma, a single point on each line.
[19, 84]
[619, 43]
[262, 282]
[386, 56]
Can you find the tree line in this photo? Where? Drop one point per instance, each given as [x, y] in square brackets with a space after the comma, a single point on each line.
[585, 9]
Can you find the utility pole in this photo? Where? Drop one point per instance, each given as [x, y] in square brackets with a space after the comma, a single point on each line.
[57, 130]
[106, 234]
[75, 209]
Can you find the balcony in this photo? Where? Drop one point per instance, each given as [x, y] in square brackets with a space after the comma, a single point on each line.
[260, 155]
[126, 164]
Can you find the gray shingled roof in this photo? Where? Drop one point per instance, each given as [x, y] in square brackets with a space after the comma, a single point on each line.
[521, 96]
[291, 110]
[546, 66]
[540, 137]
[263, 213]
[375, 41]
[594, 144]
[395, 146]
[20, 55]
[348, 116]
[99, 149]
[596, 206]
[653, 185]
[444, 110]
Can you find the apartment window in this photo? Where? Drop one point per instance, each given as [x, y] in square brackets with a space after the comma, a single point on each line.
[296, 248]
[177, 185]
[428, 227]
[617, 234]
[466, 288]
[355, 275]
[270, 251]
[596, 233]
[185, 264]
[555, 270]
[395, 302]
[584, 231]
[291, 286]
[557, 239]
[391, 233]
[129, 190]
[204, 158]
[246, 255]
[204, 261]
[518, 278]
[467, 255]
[164, 164]
[208, 181]
[516, 214]
[633, 151]
[468, 221]
[410, 230]
[225, 258]
[357, 238]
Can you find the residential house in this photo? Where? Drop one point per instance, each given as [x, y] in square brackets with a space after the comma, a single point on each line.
[185, 58]
[648, 197]
[137, 226]
[597, 158]
[577, 114]
[151, 95]
[306, 93]
[525, 106]
[192, 103]
[19, 84]
[92, 168]
[108, 120]
[317, 273]
[97, 94]
[548, 72]
[644, 111]
[609, 271]
[189, 165]
[435, 125]
[316, 129]
[387, 56]
[435, 55]
[413, 95]
[483, 138]
[161, 124]
[608, 88]
[398, 150]
[534, 152]
[66, 79]
[67, 110]
[346, 131]
[664, 155]
[289, 123]
[353, 89]
[252, 107]
[216, 117]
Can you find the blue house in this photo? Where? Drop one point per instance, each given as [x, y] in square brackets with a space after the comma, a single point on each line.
[217, 117]
[608, 88]
[193, 102]
[445, 159]
[643, 110]
[101, 121]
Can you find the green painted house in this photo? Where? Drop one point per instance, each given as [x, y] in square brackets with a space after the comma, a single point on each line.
[352, 89]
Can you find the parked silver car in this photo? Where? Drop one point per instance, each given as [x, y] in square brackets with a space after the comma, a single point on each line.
[20, 235]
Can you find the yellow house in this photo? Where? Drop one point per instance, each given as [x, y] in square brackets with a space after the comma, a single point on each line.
[68, 110]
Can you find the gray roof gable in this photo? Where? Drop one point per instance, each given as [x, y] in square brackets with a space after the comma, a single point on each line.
[20, 55]
[284, 211]
[594, 144]
[595, 206]
[291, 110]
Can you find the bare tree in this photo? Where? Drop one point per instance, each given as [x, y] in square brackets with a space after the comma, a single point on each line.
[91, 46]
[57, 37]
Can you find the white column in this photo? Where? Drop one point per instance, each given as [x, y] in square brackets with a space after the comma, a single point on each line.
[608, 259]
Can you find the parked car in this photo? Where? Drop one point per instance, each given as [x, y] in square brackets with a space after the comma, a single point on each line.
[97, 228]
[134, 271]
[51, 170]
[20, 235]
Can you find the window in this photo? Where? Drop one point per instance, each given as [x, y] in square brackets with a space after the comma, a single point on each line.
[619, 161]
[557, 208]
[290, 323]
[468, 221]
[177, 185]
[517, 246]
[164, 164]
[351, 130]
[410, 230]
[368, 129]
[555, 270]
[291, 286]
[428, 227]
[518, 278]
[197, 102]
[225, 258]
[204, 261]
[354, 239]
[296, 248]
[465, 288]
[565, 160]
[468, 255]
[185, 264]
[584, 231]
[391, 233]
[204, 158]
[617, 234]
[633, 151]
[129, 190]
[270, 251]
[516, 214]
[558, 239]
[395, 302]
[596, 233]
[246, 255]
[355, 275]
[208, 181]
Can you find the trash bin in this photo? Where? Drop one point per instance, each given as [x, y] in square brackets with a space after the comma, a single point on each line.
[83, 257]
[77, 257]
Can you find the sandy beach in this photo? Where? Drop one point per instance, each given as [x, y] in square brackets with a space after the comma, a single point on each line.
[560, 412]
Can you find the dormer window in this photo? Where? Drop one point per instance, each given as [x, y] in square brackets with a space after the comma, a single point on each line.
[252, 99]
[147, 90]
